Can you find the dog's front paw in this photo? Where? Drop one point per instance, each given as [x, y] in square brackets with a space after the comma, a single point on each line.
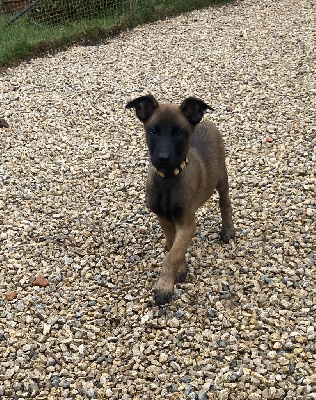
[182, 273]
[162, 297]
[227, 233]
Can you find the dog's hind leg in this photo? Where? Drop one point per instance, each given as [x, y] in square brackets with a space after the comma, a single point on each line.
[174, 267]
[228, 230]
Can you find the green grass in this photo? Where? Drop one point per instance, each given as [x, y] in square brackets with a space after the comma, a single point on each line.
[25, 39]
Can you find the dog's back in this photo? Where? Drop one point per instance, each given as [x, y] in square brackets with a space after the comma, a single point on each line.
[207, 145]
[208, 141]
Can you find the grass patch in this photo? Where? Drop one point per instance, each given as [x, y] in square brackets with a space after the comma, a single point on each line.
[25, 38]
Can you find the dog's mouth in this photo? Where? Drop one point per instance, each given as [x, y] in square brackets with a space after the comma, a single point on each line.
[164, 167]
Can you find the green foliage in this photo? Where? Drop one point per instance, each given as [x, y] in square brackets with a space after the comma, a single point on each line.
[29, 36]
[64, 11]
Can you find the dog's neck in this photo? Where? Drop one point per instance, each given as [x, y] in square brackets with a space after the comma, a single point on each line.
[175, 172]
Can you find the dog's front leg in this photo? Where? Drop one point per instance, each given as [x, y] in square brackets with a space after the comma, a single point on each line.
[169, 230]
[174, 267]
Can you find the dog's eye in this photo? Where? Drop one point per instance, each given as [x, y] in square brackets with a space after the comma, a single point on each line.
[179, 132]
[154, 131]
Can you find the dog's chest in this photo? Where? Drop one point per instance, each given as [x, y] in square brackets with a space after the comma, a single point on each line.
[165, 204]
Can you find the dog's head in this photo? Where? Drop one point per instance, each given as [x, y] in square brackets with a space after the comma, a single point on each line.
[168, 129]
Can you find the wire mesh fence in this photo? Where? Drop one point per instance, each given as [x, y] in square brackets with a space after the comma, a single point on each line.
[53, 12]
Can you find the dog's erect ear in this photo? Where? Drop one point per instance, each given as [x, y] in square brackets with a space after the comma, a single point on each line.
[145, 106]
[193, 109]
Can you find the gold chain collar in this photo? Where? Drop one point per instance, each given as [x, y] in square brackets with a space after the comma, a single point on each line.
[175, 172]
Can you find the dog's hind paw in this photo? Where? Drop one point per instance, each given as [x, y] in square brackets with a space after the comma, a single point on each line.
[162, 298]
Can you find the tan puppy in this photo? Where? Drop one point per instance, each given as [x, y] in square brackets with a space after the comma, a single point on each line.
[188, 164]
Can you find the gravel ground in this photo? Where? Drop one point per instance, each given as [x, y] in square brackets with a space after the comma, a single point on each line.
[80, 253]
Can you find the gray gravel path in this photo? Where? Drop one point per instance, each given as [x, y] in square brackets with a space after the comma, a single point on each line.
[80, 253]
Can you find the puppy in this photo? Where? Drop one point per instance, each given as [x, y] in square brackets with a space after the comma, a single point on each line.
[187, 165]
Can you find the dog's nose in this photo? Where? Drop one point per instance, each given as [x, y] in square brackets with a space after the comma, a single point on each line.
[163, 158]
